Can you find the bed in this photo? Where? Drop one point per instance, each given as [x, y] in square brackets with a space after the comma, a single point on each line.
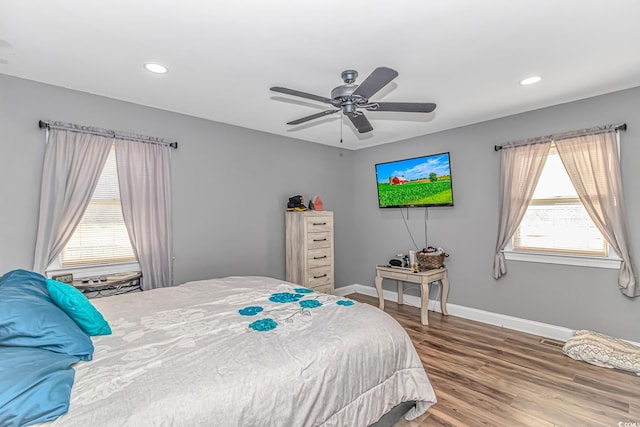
[245, 351]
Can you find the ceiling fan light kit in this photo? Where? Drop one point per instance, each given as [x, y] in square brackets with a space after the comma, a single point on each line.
[350, 98]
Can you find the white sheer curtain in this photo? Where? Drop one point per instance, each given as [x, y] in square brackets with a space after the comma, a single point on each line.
[592, 164]
[520, 169]
[72, 166]
[144, 173]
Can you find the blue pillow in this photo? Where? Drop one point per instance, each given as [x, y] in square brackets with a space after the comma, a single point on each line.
[77, 306]
[29, 318]
[35, 385]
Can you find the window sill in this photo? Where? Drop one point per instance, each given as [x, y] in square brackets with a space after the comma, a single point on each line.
[585, 261]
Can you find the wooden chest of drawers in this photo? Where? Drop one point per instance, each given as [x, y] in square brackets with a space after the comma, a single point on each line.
[309, 251]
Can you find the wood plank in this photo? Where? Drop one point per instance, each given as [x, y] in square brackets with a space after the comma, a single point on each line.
[487, 375]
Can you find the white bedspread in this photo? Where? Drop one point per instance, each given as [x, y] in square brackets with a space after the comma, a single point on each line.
[186, 356]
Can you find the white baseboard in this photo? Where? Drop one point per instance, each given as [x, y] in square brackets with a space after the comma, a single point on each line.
[523, 325]
[545, 330]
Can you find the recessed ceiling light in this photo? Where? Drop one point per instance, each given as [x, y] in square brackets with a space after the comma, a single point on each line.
[530, 80]
[156, 68]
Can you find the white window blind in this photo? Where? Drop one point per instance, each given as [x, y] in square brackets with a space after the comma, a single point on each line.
[101, 237]
[556, 221]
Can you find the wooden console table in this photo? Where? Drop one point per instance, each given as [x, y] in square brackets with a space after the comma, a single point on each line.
[424, 278]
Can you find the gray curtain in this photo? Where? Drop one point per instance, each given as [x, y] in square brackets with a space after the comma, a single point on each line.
[592, 164]
[144, 174]
[520, 169]
[73, 164]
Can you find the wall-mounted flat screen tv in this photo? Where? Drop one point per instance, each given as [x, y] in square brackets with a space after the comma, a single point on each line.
[417, 182]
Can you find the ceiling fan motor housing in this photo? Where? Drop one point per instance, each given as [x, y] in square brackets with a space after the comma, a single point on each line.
[343, 97]
[343, 91]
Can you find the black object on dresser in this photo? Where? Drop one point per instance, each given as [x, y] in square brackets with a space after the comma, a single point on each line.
[114, 285]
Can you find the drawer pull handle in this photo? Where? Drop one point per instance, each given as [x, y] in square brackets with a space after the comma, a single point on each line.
[319, 223]
[320, 240]
[319, 257]
[317, 277]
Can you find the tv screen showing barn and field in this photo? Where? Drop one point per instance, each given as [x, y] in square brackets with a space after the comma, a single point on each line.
[421, 181]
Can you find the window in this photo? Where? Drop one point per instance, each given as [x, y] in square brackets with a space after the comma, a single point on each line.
[556, 220]
[556, 227]
[101, 238]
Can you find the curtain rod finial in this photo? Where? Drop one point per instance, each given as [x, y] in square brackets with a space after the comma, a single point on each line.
[43, 124]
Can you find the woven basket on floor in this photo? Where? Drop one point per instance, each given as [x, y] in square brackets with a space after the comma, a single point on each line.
[430, 260]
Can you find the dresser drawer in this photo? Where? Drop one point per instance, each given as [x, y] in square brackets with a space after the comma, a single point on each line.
[319, 224]
[319, 257]
[319, 277]
[319, 240]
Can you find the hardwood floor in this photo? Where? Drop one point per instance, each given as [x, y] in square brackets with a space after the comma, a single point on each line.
[485, 375]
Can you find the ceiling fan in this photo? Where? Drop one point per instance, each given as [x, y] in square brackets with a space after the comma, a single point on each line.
[351, 98]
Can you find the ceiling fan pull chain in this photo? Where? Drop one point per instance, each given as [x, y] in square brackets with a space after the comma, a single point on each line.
[341, 125]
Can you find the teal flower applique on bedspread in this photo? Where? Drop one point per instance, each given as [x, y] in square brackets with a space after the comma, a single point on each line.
[263, 325]
[250, 311]
[310, 303]
[345, 302]
[303, 290]
[284, 297]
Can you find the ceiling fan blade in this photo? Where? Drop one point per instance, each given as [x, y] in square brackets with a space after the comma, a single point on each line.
[405, 107]
[378, 79]
[313, 116]
[360, 122]
[300, 94]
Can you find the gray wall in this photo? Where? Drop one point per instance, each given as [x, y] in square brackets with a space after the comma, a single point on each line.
[573, 297]
[230, 184]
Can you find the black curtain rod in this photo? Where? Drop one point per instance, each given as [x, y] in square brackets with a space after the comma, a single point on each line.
[622, 127]
[44, 125]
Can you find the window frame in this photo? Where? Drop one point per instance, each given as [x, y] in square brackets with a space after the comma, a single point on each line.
[610, 261]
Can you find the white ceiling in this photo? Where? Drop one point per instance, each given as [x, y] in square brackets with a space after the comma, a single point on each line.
[465, 55]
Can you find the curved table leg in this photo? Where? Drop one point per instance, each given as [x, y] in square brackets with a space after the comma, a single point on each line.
[445, 294]
[424, 304]
[379, 289]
